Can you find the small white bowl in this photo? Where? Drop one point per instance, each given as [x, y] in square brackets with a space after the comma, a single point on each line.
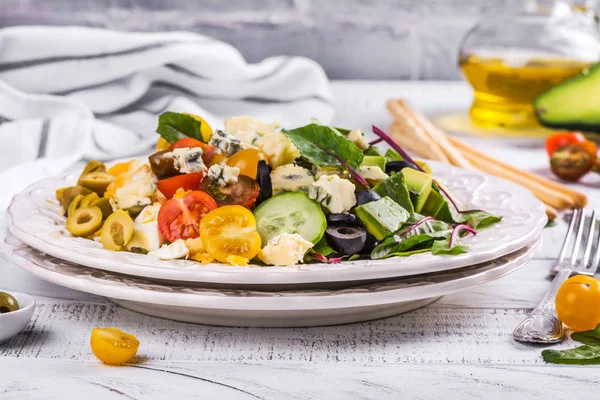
[14, 322]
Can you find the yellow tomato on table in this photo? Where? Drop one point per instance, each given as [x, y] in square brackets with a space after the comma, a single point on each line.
[113, 346]
[578, 303]
[230, 231]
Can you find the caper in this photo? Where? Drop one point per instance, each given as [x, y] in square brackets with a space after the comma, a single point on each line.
[84, 221]
[69, 193]
[93, 166]
[88, 199]
[75, 204]
[96, 181]
[117, 230]
[8, 303]
[103, 204]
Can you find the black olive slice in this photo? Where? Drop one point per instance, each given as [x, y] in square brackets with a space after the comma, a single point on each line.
[342, 219]
[263, 177]
[367, 196]
[346, 240]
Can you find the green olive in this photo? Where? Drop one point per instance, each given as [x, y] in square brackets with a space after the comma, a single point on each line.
[94, 166]
[84, 221]
[134, 211]
[103, 204]
[59, 193]
[69, 193]
[96, 181]
[8, 303]
[75, 204]
[117, 231]
[88, 199]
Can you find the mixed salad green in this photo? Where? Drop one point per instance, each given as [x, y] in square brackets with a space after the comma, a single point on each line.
[254, 192]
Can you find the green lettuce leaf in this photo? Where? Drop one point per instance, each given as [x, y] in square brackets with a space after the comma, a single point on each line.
[393, 155]
[322, 146]
[582, 355]
[591, 338]
[442, 248]
[417, 233]
[474, 218]
[395, 188]
[173, 126]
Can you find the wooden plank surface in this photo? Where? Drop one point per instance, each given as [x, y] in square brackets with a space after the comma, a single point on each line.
[460, 345]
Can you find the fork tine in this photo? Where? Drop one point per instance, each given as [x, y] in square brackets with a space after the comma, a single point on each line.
[578, 239]
[596, 263]
[565, 246]
[589, 241]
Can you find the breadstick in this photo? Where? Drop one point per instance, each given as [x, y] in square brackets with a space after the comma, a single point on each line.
[406, 136]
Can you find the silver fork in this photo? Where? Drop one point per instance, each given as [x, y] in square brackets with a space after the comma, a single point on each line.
[543, 325]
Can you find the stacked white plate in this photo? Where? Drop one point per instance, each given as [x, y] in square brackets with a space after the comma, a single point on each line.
[304, 295]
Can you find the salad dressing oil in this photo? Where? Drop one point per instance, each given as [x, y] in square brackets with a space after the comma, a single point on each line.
[505, 86]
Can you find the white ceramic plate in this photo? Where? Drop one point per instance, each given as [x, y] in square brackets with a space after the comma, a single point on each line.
[231, 307]
[35, 219]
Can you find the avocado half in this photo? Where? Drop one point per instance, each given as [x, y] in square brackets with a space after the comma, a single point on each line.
[573, 104]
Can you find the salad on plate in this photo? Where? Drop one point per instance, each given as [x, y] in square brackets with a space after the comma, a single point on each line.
[253, 193]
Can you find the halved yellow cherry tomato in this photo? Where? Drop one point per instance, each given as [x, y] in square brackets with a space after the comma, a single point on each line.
[578, 303]
[205, 128]
[230, 231]
[113, 346]
[162, 144]
[247, 161]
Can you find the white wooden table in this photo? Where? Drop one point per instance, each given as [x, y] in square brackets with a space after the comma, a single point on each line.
[459, 347]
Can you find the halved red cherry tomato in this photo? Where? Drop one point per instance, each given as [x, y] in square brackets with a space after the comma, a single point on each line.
[180, 218]
[560, 139]
[208, 151]
[190, 181]
[244, 192]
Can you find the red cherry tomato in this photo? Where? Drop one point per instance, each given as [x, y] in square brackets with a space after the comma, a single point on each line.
[243, 193]
[190, 181]
[561, 139]
[180, 218]
[208, 151]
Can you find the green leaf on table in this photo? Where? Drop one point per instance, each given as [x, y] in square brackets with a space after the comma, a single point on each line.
[322, 146]
[395, 188]
[582, 355]
[173, 126]
[417, 234]
[591, 338]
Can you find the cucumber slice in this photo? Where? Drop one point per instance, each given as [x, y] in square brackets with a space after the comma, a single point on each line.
[291, 212]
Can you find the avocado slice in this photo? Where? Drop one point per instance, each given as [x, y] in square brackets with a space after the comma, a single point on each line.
[395, 188]
[374, 161]
[372, 151]
[573, 104]
[419, 186]
[434, 204]
[381, 217]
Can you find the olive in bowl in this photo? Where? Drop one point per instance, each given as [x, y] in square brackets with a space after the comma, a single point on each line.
[16, 311]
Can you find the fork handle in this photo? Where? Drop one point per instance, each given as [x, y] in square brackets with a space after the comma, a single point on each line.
[543, 325]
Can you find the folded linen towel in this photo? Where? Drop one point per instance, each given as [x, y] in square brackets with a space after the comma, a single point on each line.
[72, 93]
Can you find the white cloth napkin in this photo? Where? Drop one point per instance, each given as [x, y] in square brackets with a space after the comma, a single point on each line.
[72, 93]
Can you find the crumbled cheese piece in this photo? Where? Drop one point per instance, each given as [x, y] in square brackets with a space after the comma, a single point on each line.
[279, 149]
[137, 193]
[372, 173]
[285, 249]
[146, 236]
[247, 129]
[237, 260]
[187, 159]
[290, 178]
[172, 251]
[148, 214]
[223, 174]
[358, 138]
[333, 193]
[227, 143]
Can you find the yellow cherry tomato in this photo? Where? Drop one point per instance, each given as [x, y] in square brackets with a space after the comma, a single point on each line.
[162, 144]
[230, 231]
[205, 128]
[113, 346]
[578, 303]
[247, 161]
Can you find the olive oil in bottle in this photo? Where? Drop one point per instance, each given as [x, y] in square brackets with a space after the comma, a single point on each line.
[505, 86]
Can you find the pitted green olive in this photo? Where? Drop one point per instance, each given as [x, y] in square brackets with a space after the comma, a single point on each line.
[84, 221]
[69, 193]
[8, 303]
[96, 181]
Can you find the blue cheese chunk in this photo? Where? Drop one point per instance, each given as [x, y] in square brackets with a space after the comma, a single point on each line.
[223, 174]
[228, 144]
[187, 159]
[358, 138]
[285, 249]
[279, 149]
[333, 193]
[372, 173]
[247, 129]
[290, 178]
